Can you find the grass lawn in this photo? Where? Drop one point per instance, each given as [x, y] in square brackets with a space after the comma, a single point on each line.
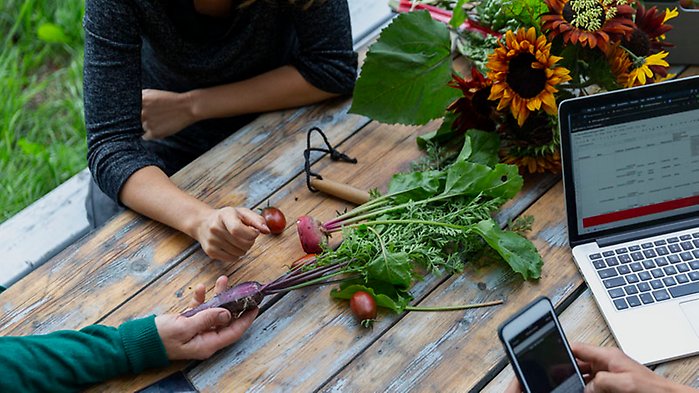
[42, 131]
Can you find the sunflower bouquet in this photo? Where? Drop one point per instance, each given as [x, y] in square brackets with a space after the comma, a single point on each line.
[525, 56]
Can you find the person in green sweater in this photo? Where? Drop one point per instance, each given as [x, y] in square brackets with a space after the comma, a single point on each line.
[70, 360]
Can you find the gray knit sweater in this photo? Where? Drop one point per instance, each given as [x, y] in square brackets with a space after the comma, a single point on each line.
[164, 44]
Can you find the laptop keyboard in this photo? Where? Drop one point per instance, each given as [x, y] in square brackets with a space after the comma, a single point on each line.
[647, 273]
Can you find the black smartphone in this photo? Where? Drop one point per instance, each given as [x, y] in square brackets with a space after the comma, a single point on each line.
[538, 350]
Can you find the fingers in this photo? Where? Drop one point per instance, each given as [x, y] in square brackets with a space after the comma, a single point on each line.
[221, 285]
[513, 387]
[243, 235]
[198, 296]
[250, 218]
[228, 335]
[207, 319]
[606, 382]
[597, 357]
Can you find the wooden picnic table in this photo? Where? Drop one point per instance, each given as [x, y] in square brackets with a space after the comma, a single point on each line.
[304, 340]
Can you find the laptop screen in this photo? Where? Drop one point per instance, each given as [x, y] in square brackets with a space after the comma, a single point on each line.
[634, 158]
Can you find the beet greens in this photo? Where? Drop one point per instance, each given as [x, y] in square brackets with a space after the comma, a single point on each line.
[430, 221]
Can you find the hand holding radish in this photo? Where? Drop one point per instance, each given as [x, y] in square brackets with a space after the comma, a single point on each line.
[228, 233]
[202, 335]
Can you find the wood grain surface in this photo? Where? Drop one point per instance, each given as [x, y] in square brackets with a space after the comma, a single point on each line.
[111, 265]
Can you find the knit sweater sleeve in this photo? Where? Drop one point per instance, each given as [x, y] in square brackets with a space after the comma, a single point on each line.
[67, 361]
[112, 94]
[325, 57]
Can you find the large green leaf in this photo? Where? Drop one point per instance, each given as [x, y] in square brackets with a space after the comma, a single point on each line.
[470, 178]
[517, 251]
[393, 268]
[405, 75]
[484, 147]
[415, 185]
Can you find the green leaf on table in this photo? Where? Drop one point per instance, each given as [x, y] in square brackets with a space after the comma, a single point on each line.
[395, 302]
[484, 147]
[459, 15]
[406, 73]
[470, 178]
[415, 185]
[51, 33]
[443, 134]
[392, 267]
[517, 251]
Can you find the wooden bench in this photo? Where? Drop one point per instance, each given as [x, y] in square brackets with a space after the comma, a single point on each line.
[58, 219]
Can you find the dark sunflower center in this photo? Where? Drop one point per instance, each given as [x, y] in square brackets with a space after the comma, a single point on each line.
[584, 15]
[638, 43]
[526, 81]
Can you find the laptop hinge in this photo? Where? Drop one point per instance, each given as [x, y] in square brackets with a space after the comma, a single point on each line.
[647, 232]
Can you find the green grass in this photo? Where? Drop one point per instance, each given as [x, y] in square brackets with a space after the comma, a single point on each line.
[42, 130]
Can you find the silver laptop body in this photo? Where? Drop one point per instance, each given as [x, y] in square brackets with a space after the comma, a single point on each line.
[631, 178]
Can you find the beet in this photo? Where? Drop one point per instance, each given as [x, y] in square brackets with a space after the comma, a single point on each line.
[310, 234]
[236, 299]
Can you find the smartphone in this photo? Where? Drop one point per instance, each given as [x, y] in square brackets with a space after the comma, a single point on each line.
[538, 350]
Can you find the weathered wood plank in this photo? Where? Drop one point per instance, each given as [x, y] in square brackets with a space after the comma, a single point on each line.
[113, 264]
[420, 351]
[268, 258]
[43, 229]
[320, 335]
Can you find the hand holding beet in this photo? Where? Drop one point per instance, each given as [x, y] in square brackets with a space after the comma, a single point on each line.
[200, 336]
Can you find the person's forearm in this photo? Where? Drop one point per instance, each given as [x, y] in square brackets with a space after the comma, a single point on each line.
[280, 88]
[150, 192]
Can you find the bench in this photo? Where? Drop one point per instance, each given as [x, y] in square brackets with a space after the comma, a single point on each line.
[58, 219]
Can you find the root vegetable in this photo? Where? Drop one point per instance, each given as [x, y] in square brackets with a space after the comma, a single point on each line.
[310, 233]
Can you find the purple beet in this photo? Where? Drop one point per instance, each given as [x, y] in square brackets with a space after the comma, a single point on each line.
[236, 299]
[310, 234]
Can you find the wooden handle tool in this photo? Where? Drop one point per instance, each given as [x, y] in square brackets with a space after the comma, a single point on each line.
[341, 190]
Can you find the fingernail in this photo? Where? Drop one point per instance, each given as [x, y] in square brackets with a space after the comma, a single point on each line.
[224, 317]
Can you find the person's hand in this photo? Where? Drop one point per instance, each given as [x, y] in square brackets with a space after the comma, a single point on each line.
[228, 233]
[164, 113]
[609, 370]
[203, 334]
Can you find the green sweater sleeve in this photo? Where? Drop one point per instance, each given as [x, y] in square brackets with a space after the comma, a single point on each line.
[66, 361]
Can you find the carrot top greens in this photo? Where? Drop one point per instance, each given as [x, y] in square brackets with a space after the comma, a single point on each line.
[431, 220]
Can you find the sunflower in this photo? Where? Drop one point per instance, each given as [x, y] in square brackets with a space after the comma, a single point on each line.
[533, 163]
[591, 22]
[643, 68]
[473, 108]
[648, 35]
[523, 74]
[631, 70]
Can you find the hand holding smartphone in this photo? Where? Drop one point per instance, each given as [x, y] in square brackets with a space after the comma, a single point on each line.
[538, 350]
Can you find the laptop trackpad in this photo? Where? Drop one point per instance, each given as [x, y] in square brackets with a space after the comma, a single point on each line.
[691, 310]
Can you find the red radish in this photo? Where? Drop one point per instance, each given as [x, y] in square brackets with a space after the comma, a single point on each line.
[363, 306]
[311, 235]
[275, 220]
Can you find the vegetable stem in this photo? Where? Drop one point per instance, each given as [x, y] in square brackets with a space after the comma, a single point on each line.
[335, 225]
[453, 308]
[411, 221]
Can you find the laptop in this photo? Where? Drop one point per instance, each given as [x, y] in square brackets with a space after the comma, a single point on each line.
[631, 179]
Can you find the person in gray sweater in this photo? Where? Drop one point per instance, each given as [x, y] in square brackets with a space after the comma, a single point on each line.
[166, 80]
